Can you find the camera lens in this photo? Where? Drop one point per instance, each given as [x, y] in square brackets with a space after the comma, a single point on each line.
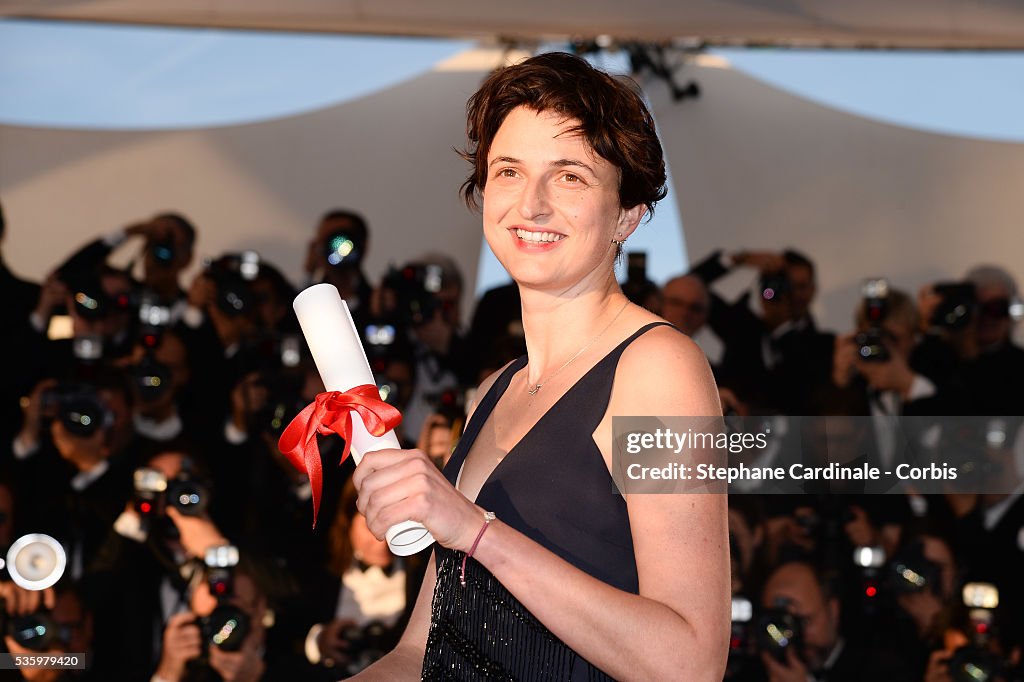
[152, 379]
[187, 496]
[35, 631]
[163, 252]
[226, 627]
[83, 415]
[778, 631]
[340, 248]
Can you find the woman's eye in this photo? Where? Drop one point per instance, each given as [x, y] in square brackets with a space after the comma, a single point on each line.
[571, 177]
[507, 173]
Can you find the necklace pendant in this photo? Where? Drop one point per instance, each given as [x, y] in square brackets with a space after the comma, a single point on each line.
[533, 389]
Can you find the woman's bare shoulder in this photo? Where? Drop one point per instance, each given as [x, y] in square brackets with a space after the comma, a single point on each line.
[664, 369]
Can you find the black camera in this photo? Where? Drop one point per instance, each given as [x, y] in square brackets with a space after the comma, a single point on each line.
[343, 249]
[90, 301]
[227, 626]
[154, 493]
[163, 251]
[284, 399]
[449, 403]
[774, 285]
[78, 407]
[975, 661]
[154, 314]
[232, 274]
[415, 289]
[779, 631]
[152, 379]
[34, 562]
[366, 644]
[871, 562]
[37, 631]
[958, 306]
[871, 344]
[910, 571]
[741, 644]
[386, 343]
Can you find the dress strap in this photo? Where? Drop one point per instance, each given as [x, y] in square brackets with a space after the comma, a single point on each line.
[638, 333]
[480, 414]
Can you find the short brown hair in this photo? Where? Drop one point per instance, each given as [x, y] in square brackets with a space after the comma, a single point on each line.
[612, 117]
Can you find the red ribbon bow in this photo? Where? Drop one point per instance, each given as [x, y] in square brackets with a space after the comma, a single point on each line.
[331, 412]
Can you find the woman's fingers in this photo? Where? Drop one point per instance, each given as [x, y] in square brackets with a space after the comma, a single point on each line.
[404, 485]
[381, 459]
[389, 484]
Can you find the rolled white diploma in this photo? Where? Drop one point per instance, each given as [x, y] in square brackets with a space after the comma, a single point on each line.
[339, 356]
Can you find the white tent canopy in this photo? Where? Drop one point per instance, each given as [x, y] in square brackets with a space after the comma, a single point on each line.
[752, 167]
[970, 24]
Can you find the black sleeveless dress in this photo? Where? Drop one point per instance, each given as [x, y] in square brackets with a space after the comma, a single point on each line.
[555, 488]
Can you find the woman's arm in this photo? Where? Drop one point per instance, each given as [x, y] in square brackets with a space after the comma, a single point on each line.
[678, 626]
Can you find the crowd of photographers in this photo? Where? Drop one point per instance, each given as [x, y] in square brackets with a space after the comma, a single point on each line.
[139, 419]
[836, 583]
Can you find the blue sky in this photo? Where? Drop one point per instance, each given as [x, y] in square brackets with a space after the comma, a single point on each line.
[122, 77]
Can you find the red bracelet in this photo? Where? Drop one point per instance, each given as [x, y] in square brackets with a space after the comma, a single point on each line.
[488, 517]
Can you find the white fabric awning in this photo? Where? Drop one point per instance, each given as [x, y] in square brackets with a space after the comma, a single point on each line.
[931, 24]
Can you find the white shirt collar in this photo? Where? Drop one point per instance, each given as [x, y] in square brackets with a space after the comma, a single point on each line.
[83, 479]
[163, 430]
[995, 513]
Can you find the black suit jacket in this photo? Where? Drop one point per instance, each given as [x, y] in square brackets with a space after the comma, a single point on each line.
[804, 353]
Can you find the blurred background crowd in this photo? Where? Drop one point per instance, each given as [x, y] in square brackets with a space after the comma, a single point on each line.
[139, 418]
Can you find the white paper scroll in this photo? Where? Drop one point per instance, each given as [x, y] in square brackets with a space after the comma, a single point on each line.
[334, 342]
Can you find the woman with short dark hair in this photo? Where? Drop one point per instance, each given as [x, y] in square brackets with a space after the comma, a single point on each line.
[541, 571]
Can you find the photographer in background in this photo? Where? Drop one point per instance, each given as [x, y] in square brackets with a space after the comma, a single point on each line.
[76, 458]
[924, 604]
[151, 555]
[73, 622]
[421, 301]
[770, 359]
[222, 346]
[369, 595]
[158, 365]
[873, 366]
[821, 651]
[167, 239]
[20, 298]
[995, 375]
[335, 256]
[223, 636]
[685, 302]
[20, 295]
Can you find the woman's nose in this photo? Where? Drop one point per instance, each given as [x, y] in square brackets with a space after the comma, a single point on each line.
[534, 201]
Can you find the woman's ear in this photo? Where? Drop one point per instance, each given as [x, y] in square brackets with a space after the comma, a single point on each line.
[629, 219]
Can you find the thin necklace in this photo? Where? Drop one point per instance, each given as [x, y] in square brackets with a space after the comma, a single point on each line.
[537, 386]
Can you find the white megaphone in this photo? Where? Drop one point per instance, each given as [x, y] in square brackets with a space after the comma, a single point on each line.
[36, 561]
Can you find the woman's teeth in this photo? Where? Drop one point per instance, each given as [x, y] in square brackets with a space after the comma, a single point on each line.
[527, 236]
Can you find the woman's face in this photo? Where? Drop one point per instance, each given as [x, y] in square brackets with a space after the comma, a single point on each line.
[551, 205]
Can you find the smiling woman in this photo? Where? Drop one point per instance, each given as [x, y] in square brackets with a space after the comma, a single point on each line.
[541, 571]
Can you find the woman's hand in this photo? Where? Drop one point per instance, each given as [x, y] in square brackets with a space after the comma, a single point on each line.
[404, 485]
